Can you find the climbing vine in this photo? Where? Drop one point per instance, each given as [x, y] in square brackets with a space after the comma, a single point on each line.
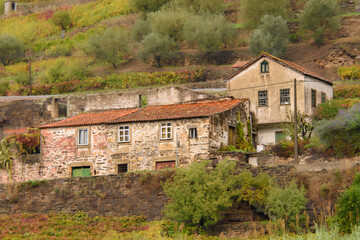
[242, 142]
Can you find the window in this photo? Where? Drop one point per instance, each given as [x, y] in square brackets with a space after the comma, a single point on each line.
[13, 6]
[263, 98]
[83, 136]
[285, 96]
[323, 97]
[81, 171]
[124, 134]
[166, 131]
[313, 98]
[143, 100]
[122, 168]
[264, 67]
[192, 133]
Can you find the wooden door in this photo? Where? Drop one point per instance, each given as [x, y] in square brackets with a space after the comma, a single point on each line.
[167, 164]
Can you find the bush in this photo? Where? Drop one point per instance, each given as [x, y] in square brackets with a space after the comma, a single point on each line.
[59, 51]
[111, 46]
[213, 6]
[349, 207]
[61, 19]
[326, 110]
[319, 16]
[342, 133]
[270, 37]
[4, 86]
[254, 10]
[286, 203]
[26, 143]
[198, 195]
[349, 73]
[347, 91]
[11, 49]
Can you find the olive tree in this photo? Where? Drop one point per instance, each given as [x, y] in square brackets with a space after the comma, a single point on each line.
[11, 49]
[111, 45]
[62, 19]
[270, 36]
[157, 46]
[319, 16]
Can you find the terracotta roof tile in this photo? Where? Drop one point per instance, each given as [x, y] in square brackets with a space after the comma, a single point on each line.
[239, 64]
[284, 62]
[202, 108]
[91, 118]
[180, 111]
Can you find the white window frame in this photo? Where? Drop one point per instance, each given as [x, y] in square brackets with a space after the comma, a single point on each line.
[166, 131]
[192, 132]
[80, 133]
[285, 96]
[124, 134]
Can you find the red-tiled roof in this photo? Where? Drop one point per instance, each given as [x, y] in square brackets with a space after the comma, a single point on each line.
[179, 111]
[202, 108]
[285, 63]
[239, 64]
[91, 118]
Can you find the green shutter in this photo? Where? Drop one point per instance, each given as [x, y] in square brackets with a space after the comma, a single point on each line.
[81, 172]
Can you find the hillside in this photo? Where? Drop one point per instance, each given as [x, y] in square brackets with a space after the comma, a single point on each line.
[62, 65]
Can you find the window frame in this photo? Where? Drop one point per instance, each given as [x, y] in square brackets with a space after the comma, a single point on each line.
[120, 131]
[78, 135]
[323, 97]
[282, 96]
[168, 130]
[193, 133]
[313, 98]
[264, 67]
[263, 98]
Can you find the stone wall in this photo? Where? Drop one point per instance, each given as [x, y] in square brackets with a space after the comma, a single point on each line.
[117, 195]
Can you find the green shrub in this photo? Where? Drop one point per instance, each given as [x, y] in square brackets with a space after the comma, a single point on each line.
[22, 78]
[4, 86]
[286, 203]
[11, 49]
[147, 5]
[326, 110]
[198, 195]
[349, 206]
[59, 51]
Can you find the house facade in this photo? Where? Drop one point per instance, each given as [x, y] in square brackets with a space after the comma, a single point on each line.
[151, 138]
[268, 82]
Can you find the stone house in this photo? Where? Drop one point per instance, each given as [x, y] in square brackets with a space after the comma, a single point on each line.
[151, 137]
[268, 82]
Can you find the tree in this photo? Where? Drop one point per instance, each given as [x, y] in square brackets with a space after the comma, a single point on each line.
[11, 49]
[319, 16]
[111, 45]
[6, 156]
[62, 19]
[198, 195]
[305, 126]
[270, 36]
[157, 46]
[147, 5]
[210, 31]
[254, 10]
